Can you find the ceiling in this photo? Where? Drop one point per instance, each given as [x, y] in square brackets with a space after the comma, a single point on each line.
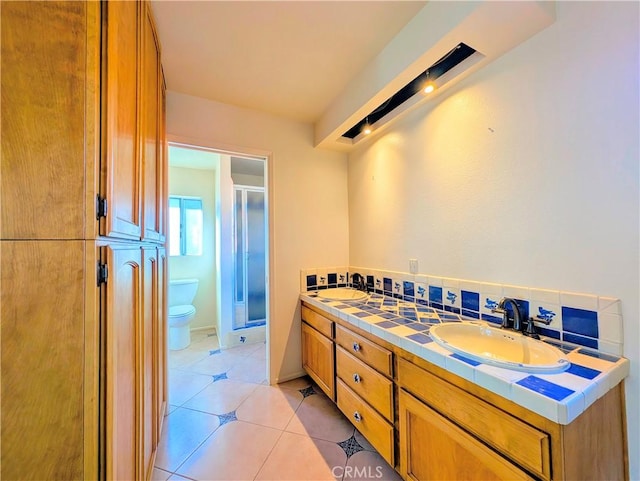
[287, 58]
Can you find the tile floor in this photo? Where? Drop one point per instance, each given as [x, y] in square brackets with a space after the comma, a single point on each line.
[226, 423]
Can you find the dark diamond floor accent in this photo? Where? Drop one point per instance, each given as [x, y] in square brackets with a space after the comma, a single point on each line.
[220, 377]
[227, 418]
[307, 391]
[350, 446]
[214, 351]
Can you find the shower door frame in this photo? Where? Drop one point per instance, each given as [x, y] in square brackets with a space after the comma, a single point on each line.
[241, 307]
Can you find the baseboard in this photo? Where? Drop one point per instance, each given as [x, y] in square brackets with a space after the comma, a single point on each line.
[204, 328]
[290, 377]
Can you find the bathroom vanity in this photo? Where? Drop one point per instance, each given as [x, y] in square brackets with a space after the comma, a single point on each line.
[428, 416]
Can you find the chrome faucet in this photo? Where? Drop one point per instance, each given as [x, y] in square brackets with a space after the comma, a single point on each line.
[517, 315]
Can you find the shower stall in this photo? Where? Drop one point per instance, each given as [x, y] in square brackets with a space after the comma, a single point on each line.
[249, 242]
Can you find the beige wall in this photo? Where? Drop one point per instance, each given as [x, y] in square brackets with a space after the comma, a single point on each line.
[308, 195]
[198, 183]
[525, 173]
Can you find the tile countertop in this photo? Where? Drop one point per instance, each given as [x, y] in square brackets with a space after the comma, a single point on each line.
[559, 397]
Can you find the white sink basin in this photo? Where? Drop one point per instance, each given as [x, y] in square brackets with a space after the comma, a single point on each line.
[342, 294]
[499, 347]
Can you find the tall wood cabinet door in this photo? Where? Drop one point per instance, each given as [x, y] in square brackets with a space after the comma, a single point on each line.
[151, 123]
[434, 448]
[160, 364]
[148, 359]
[49, 127]
[120, 169]
[123, 326]
[318, 359]
[43, 352]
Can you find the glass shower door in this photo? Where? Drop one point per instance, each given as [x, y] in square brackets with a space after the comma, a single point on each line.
[250, 257]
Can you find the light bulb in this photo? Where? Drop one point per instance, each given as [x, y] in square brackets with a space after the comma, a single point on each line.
[366, 130]
[429, 87]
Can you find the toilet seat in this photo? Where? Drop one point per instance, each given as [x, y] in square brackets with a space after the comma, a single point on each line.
[180, 311]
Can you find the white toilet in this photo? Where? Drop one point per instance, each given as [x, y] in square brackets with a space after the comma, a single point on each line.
[181, 311]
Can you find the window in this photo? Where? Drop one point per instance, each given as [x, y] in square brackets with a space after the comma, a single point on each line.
[185, 226]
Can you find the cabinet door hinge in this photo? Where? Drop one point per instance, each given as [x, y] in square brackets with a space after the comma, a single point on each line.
[101, 207]
[103, 274]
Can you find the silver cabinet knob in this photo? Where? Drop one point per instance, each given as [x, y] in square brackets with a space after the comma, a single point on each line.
[356, 346]
[356, 378]
[357, 416]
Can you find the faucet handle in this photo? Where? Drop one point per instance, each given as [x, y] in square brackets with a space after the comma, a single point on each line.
[505, 315]
[542, 320]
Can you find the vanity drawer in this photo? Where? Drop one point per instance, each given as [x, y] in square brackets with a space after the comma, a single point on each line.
[317, 321]
[375, 356]
[373, 426]
[526, 445]
[369, 384]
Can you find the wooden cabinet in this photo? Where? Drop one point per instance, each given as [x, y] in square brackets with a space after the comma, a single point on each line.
[83, 334]
[431, 424]
[318, 359]
[434, 448]
[365, 389]
[152, 98]
[49, 51]
[120, 173]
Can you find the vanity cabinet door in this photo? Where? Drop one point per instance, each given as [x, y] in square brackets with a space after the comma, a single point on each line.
[318, 359]
[434, 448]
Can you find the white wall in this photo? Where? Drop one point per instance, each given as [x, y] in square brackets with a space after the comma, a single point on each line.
[198, 183]
[308, 198]
[525, 173]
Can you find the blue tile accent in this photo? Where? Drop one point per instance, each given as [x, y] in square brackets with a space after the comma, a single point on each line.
[350, 446]
[342, 279]
[363, 314]
[370, 280]
[403, 321]
[416, 326]
[307, 391]
[599, 355]
[214, 351]
[435, 294]
[341, 306]
[332, 278]
[437, 306]
[546, 388]
[408, 289]
[311, 281]
[387, 285]
[548, 332]
[470, 300]
[422, 302]
[465, 359]
[388, 315]
[491, 303]
[451, 297]
[419, 337]
[583, 341]
[219, 377]
[390, 302]
[387, 324]
[227, 418]
[421, 292]
[455, 310]
[492, 319]
[583, 371]
[545, 314]
[580, 321]
[473, 314]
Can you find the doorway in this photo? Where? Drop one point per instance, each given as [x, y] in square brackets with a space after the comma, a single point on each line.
[234, 290]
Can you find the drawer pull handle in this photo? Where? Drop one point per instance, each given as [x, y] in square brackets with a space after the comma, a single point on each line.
[356, 346]
[356, 378]
[357, 416]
